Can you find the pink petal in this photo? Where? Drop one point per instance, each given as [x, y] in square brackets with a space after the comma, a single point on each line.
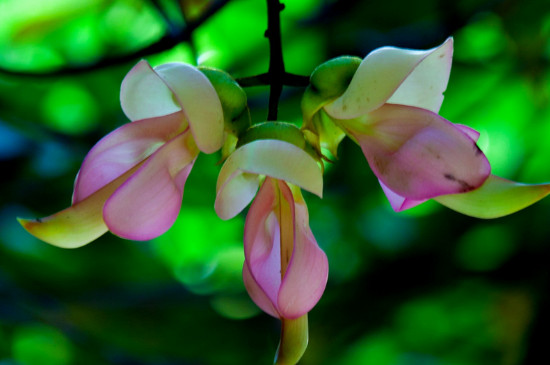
[307, 272]
[148, 203]
[262, 249]
[122, 149]
[387, 69]
[424, 86]
[257, 294]
[199, 101]
[399, 203]
[419, 155]
[143, 94]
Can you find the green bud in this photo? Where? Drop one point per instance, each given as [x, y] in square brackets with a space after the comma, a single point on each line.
[332, 78]
[328, 81]
[233, 99]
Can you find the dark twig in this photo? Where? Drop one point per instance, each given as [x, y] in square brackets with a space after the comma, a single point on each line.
[276, 63]
[168, 41]
[288, 79]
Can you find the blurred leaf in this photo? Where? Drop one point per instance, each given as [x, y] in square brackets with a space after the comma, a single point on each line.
[39, 344]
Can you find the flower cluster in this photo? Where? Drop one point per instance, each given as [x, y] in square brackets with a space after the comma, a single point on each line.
[132, 181]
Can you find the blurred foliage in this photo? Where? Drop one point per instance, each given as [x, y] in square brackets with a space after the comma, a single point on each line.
[424, 287]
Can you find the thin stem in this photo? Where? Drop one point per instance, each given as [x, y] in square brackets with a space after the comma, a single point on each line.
[294, 340]
[276, 63]
[288, 79]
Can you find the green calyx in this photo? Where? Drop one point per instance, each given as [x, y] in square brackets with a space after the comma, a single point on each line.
[233, 100]
[281, 131]
[331, 79]
[328, 81]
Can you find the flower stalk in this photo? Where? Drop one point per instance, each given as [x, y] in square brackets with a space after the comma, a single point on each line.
[294, 332]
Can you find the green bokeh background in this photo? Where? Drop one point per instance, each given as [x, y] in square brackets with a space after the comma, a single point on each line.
[423, 287]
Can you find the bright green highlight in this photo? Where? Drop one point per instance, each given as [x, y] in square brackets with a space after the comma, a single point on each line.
[204, 253]
[481, 40]
[40, 344]
[236, 306]
[69, 108]
[131, 25]
[379, 349]
[215, 40]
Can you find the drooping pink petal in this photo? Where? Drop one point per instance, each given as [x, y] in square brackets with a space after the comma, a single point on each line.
[278, 159]
[307, 272]
[419, 155]
[424, 86]
[399, 203]
[122, 149]
[262, 267]
[496, 198]
[199, 101]
[143, 94]
[79, 224]
[384, 70]
[148, 203]
[305, 268]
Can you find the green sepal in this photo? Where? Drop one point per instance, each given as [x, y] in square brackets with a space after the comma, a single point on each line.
[328, 81]
[233, 98]
[281, 131]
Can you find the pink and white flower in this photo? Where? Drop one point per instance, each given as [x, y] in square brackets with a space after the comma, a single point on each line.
[131, 182]
[285, 272]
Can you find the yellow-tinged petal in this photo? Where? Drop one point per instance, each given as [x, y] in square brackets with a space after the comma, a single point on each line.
[424, 86]
[79, 224]
[143, 94]
[274, 158]
[497, 197]
[382, 72]
[199, 101]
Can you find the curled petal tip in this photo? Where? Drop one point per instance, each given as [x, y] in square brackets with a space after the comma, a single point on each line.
[200, 103]
[399, 76]
[143, 94]
[497, 197]
[71, 228]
